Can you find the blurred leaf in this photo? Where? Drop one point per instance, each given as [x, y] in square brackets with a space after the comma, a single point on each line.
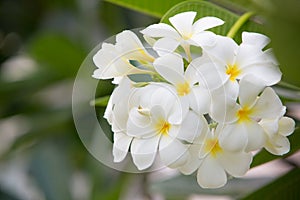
[204, 9]
[51, 170]
[285, 187]
[101, 101]
[156, 8]
[264, 156]
[58, 53]
[181, 186]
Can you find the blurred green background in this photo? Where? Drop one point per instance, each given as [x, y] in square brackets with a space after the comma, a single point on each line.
[42, 45]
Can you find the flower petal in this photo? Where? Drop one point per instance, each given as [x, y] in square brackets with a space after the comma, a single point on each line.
[183, 22]
[143, 151]
[170, 67]
[249, 90]
[233, 137]
[139, 125]
[210, 74]
[172, 152]
[223, 109]
[193, 161]
[236, 163]
[205, 38]
[211, 174]
[286, 126]
[268, 73]
[199, 100]
[120, 146]
[278, 145]
[205, 23]
[165, 46]
[256, 39]
[224, 50]
[191, 127]
[256, 136]
[161, 30]
[131, 47]
[268, 105]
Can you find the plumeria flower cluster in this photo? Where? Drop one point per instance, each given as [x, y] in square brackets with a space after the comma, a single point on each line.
[196, 101]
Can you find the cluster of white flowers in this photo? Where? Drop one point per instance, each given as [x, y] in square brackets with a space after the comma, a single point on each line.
[193, 99]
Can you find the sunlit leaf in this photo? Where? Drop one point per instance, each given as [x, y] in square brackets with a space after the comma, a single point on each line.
[156, 8]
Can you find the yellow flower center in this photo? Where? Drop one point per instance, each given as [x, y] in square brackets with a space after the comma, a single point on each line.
[243, 114]
[163, 127]
[183, 88]
[212, 146]
[233, 71]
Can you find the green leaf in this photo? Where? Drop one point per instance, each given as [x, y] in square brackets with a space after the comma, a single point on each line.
[204, 9]
[58, 53]
[101, 101]
[285, 187]
[264, 156]
[156, 8]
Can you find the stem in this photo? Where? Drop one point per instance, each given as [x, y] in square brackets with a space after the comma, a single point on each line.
[238, 24]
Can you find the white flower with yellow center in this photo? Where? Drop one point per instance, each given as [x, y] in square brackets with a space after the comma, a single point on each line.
[185, 32]
[277, 131]
[231, 62]
[157, 126]
[213, 161]
[190, 89]
[242, 130]
[114, 60]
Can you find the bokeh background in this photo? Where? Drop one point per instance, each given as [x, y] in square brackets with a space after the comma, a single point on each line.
[42, 45]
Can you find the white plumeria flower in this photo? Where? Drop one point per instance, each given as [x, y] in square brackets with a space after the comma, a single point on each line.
[153, 123]
[241, 130]
[277, 131]
[190, 89]
[114, 60]
[231, 62]
[214, 161]
[116, 114]
[184, 32]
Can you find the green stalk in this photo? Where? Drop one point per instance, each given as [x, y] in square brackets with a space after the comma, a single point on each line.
[238, 24]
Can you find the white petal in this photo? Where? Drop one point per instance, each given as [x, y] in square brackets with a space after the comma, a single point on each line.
[223, 109]
[199, 100]
[139, 125]
[211, 174]
[172, 152]
[161, 30]
[256, 39]
[120, 146]
[286, 126]
[256, 136]
[270, 126]
[205, 23]
[278, 145]
[191, 127]
[268, 73]
[178, 113]
[170, 67]
[193, 161]
[249, 90]
[131, 47]
[233, 137]
[268, 105]
[224, 50]
[236, 164]
[143, 151]
[205, 38]
[165, 46]
[183, 22]
[210, 74]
